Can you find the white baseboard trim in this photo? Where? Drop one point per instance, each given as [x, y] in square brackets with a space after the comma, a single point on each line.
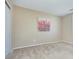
[35, 45]
[43, 44]
[69, 43]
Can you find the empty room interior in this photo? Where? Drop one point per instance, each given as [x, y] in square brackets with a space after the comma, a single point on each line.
[38, 29]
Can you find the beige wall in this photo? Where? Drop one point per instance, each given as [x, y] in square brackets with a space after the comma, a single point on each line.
[67, 30]
[25, 32]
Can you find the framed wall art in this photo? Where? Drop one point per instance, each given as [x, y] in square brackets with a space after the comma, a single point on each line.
[43, 24]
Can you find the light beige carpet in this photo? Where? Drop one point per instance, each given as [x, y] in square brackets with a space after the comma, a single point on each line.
[48, 51]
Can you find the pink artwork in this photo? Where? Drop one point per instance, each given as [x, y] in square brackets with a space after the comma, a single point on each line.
[43, 24]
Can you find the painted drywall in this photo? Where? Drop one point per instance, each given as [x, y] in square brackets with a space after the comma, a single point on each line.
[25, 32]
[8, 43]
[10, 2]
[67, 30]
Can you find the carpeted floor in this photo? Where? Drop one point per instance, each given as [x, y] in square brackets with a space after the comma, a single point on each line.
[47, 51]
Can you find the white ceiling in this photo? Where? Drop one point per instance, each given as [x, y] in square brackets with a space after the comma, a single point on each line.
[55, 7]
